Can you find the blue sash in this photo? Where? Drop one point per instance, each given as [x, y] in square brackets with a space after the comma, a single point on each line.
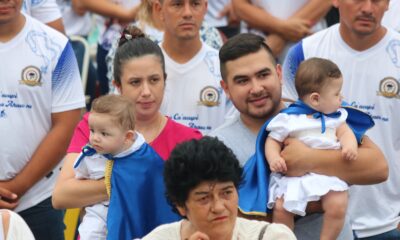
[253, 193]
[137, 202]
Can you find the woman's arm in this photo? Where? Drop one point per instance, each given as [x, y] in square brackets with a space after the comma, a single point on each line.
[70, 192]
[369, 168]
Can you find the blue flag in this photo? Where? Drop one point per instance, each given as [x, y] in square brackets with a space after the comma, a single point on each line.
[253, 193]
[137, 201]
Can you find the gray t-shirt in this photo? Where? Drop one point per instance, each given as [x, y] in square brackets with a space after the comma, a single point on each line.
[242, 141]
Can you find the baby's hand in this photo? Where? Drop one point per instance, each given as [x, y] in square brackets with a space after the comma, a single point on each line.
[349, 153]
[278, 165]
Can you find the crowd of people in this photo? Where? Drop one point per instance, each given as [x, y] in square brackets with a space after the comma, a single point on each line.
[207, 119]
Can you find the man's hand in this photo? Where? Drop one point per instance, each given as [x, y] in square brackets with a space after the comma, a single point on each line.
[229, 12]
[295, 154]
[295, 29]
[276, 43]
[8, 199]
[78, 7]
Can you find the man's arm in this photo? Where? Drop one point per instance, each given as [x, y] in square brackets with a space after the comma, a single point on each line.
[57, 25]
[47, 155]
[105, 8]
[370, 167]
[291, 29]
[312, 11]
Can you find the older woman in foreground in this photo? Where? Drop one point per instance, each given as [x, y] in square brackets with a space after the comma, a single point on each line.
[201, 179]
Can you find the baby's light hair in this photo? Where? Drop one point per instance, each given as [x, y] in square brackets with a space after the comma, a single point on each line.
[313, 74]
[118, 107]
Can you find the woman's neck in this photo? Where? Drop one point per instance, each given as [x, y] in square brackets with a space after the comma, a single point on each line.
[152, 127]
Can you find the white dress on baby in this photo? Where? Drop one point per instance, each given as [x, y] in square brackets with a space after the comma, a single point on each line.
[298, 191]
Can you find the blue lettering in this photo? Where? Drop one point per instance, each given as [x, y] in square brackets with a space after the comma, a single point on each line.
[11, 96]
[176, 117]
[12, 104]
[354, 104]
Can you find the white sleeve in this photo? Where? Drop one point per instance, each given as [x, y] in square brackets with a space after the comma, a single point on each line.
[66, 83]
[292, 61]
[81, 171]
[343, 116]
[44, 10]
[279, 127]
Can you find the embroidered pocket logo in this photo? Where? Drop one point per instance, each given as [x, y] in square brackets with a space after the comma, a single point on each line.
[389, 87]
[31, 76]
[209, 96]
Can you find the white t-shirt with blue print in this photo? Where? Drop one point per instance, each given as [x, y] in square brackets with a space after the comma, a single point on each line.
[39, 76]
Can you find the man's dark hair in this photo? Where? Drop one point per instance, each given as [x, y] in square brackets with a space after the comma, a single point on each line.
[239, 46]
[313, 74]
[196, 161]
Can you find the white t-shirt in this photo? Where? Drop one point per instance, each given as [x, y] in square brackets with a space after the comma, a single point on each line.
[283, 9]
[244, 229]
[213, 10]
[371, 84]
[392, 17]
[193, 94]
[39, 76]
[43, 10]
[74, 24]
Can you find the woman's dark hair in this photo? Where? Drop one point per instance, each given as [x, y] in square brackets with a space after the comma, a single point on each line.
[134, 44]
[196, 161]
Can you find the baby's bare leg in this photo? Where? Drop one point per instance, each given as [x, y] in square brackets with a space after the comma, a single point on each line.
[334, 205]
[281, 215]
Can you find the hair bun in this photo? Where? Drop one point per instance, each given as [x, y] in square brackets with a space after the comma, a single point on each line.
[130, 32]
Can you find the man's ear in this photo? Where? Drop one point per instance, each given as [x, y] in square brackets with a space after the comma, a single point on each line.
[130, 136]
[158, 9]
[278, 69]
[224, 86]
[314, 99]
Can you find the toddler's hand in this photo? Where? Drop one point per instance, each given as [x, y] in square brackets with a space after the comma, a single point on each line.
[278, 165]
[349, 153]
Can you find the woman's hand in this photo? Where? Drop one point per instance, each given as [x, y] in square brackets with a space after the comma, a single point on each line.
[198, 236]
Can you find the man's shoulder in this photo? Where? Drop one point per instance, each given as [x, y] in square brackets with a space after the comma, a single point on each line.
[320, 36]
[40, 30]
[228, 129]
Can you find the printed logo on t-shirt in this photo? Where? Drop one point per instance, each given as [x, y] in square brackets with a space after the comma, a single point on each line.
[393, 49]
[209, 96]
[31, 76]
[389, 88]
